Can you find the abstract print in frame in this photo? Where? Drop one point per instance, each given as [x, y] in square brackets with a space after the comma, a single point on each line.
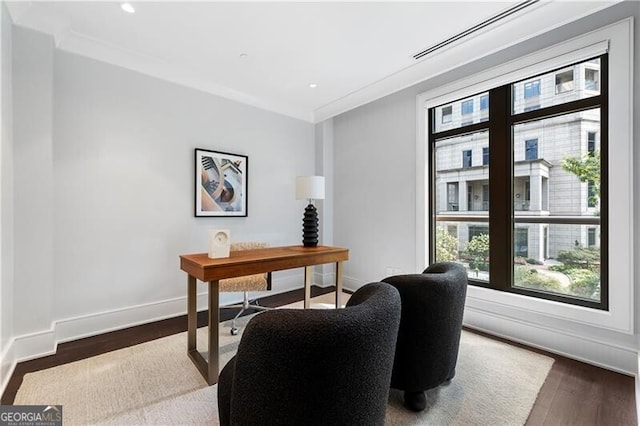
[221, 184]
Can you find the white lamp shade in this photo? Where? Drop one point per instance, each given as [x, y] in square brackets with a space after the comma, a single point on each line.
[310, 188]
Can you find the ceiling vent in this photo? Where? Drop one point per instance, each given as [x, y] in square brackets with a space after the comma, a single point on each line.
[500, 16]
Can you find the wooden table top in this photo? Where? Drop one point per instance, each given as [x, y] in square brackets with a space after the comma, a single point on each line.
[257, 261]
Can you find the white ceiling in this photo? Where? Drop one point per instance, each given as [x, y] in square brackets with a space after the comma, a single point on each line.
[354, 52]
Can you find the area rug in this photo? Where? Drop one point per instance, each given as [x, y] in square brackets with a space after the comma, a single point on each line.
[155, 383]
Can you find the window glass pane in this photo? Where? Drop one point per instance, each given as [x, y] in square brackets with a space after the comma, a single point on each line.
[460, 176]
[467, 158]
[591, 79]
[484, 102]
[457, 114]
[468, 246]
[531, 149]
[446, 114]
[558, 258]
[591, 141]
[555, 170]
[467, 107]
[561, 179]
[532, 88]
[564, 81]
[462, 190]
[557, 87]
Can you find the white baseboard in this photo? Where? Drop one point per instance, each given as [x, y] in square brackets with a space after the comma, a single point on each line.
[43, 343]
[7, 365]
[619, 357]
[637, 381]
[351, 284]
[324, 279]
[612, 356]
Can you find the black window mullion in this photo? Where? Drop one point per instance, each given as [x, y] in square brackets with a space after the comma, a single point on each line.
[604, 182]
[431, 170]
[500, 188]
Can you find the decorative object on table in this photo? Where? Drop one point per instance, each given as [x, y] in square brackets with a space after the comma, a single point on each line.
[219, 243]
[276, 376]
[430, 328]
[310, 188]
[221, 184]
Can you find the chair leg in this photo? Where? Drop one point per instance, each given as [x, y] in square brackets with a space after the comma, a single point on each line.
[245, 306]
[415, 401]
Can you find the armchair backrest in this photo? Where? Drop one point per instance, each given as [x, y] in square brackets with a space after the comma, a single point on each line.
[429, 336]
[318, 366]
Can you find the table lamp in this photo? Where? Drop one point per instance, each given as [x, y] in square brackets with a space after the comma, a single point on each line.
[310, 188]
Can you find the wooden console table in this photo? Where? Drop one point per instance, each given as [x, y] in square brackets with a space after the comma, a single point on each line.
[240, 263]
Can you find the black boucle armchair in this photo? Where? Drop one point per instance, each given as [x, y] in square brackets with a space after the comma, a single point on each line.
[314, 367]
[430, 327]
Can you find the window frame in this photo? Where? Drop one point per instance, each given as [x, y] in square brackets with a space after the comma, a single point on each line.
[617, 39]
[502, 218]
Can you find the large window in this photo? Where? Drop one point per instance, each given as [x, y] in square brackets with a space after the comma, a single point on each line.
[535, 235]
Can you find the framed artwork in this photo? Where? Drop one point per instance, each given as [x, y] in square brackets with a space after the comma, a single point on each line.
[221, 184]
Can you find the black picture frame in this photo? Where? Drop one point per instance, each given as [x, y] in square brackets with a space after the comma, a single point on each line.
[221, 183]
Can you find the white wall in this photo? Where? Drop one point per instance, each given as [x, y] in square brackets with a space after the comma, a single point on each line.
[97, 246]
[6, 196]
[33, 179]
[376, 194]
[374, 178]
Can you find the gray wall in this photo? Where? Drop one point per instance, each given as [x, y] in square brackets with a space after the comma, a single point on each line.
[33, 179]
[374, 175]
[108, 156]
[6, 190]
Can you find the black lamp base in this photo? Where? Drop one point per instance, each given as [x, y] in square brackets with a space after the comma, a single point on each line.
[310, 226]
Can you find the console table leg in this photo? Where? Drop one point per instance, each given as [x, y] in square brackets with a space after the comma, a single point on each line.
[192, 313]
[307, 287]
[338, 284]
[214, 321]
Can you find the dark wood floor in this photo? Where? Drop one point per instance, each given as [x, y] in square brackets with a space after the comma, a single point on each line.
[574, 393]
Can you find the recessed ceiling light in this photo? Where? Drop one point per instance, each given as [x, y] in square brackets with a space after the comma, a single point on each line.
[313, 85]
[128, 7]
[244, 55]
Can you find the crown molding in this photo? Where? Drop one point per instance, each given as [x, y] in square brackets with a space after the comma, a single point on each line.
[542, 17]
[17, 9]
[146, 64]
[33, 16]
